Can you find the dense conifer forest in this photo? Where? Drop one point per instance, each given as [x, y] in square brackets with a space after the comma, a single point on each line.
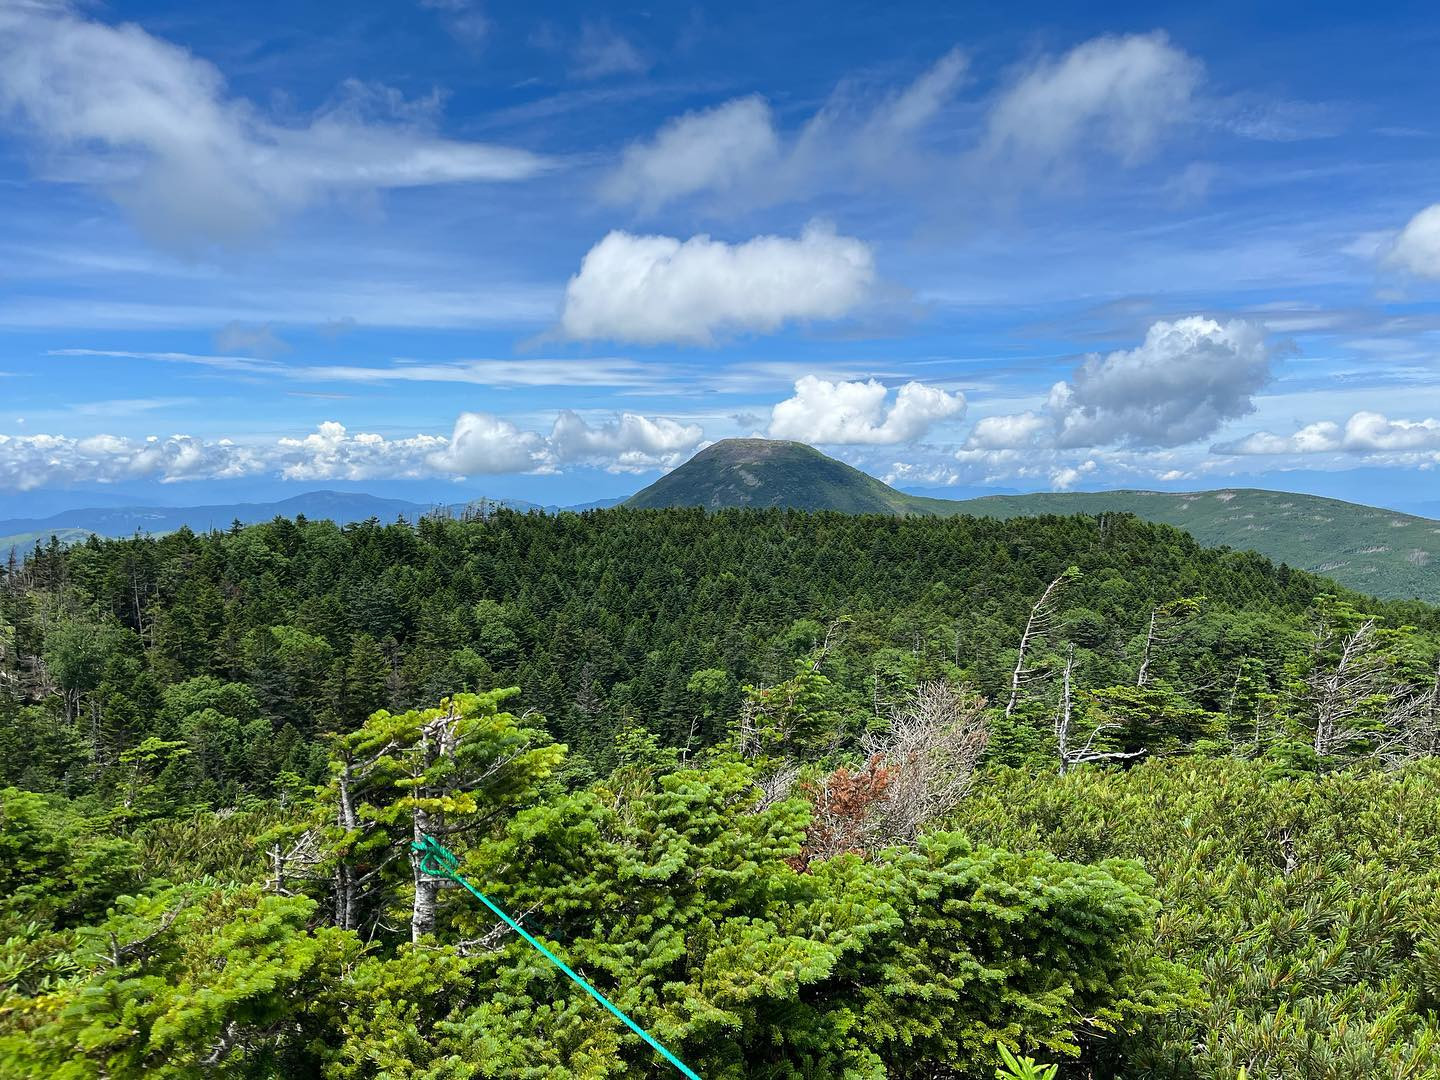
[808, 795]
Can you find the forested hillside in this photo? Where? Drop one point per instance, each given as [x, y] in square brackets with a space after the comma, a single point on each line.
[1379, 552]
[808, 795]
[1368, 548]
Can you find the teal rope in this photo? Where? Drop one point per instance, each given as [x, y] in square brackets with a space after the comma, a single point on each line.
[439, 861]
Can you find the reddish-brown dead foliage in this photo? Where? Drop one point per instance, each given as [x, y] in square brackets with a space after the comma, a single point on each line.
[844, 812]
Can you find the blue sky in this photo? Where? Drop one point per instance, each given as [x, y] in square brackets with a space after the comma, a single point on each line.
[449, 248]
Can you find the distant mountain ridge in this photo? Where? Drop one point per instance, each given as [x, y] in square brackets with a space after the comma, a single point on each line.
[342, 507]
[1366, 548]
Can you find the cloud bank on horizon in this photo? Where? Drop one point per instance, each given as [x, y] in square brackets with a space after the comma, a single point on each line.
[536, 254]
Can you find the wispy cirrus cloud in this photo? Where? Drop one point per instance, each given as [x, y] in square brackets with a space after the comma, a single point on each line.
[538, 371]
[246, 364]
[1112, 94]
[154, 126]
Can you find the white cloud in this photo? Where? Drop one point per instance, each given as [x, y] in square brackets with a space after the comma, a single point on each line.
[627, 443]
[1417, 248]
[920, 102]
[708, 150]
[1064, 479]
[1116, 97]
[332, 453]
[1186, 379]
[31, 462]
[249, 365]
[463, 18]
[592, 371]
[1114, 94]
[653, 289]
[1364, 433]
[153, 125]
[479, 444]
[859, 412]
[1008, 432]
[482, 444]
[1181, 384]
[1370, 431]
[737, 146]
[537, 371]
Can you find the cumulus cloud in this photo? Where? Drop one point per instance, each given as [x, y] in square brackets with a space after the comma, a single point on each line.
[153, 125]
[1116, 94]
[479, 444]
[1063, 479]
[1364, 433]
[627, 443]
[860, 412]
[653, 289]
[332, 453]
[707, 150]
[483, 444]
[1417, 249]
[31, 462]
[1008, 432]
[1181, 384]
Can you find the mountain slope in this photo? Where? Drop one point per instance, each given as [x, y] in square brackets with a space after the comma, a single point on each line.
[1376, 551]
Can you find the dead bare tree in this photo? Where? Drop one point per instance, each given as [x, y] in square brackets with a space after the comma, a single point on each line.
[1431, 725]
[1086, 753]
[1343, 694]
[1165, 620]
[293, 864]
[929, 752]
[1037, 627]
[776, 787]
[8, 673]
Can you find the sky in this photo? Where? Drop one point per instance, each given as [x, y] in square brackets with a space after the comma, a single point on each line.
[450, 248]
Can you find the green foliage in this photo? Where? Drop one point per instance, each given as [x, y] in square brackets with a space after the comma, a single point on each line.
[447, 771]
[183, 983]
[683, 908]
[57, 868]
[1307, 531]
[1023, 1068]
[224, 744]
[1310, 907]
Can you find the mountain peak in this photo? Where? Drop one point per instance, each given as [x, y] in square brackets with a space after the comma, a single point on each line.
[771, 472]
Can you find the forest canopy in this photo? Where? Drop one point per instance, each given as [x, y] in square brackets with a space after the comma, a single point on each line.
[808, 795]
